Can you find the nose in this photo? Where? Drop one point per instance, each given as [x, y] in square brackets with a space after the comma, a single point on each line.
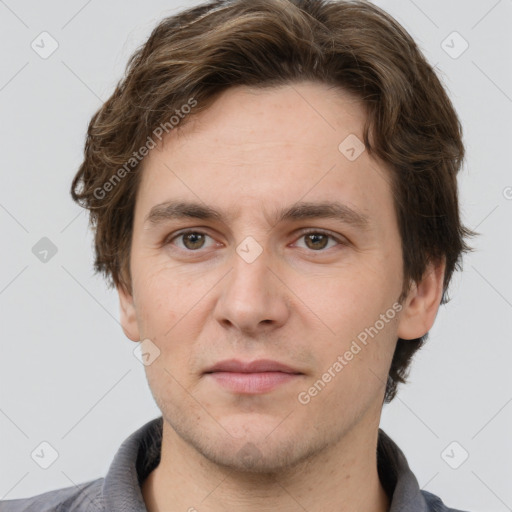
[253, 297]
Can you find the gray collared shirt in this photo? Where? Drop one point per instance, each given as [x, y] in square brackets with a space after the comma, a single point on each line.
[120, 489]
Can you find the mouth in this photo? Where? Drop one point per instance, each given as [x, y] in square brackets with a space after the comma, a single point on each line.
[255, 377]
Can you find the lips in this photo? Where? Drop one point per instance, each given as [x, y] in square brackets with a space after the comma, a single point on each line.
[251, 378]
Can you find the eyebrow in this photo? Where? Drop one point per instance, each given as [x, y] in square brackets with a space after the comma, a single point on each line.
[172, 210]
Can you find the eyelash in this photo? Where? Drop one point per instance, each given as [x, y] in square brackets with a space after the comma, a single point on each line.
[169, 240]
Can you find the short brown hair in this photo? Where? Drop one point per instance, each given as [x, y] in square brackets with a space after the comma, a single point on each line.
[198, 53]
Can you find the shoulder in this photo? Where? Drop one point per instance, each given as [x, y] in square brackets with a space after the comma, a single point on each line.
[82, 497]
[435, 504]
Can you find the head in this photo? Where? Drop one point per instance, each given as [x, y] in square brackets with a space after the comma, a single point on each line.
[247, 109]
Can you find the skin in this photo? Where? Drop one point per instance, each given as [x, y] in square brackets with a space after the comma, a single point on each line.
[300, 303]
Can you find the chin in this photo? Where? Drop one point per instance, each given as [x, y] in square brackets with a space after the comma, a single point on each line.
[251, 443]
[255, 456]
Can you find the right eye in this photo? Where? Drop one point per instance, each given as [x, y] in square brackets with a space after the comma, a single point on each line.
[191, 240]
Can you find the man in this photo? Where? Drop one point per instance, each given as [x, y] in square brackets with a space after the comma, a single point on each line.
[273, 192]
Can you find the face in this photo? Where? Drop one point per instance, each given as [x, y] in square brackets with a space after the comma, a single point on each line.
[266, 264]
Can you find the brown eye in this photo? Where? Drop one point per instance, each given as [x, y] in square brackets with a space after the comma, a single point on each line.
[317, 241]
[193, 241]
[189, 240]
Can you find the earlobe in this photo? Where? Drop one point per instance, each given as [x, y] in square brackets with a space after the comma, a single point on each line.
[422, 303]
[128, 314]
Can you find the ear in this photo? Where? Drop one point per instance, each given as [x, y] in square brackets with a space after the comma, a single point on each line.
[421, 305]
[128, 315]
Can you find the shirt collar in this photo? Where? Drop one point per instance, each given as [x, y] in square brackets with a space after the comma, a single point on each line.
[140, 454]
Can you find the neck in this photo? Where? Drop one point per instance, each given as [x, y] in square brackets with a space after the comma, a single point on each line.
[341, 478]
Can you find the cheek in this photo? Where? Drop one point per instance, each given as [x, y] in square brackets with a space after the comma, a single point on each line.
[350, 308]
[353, 368]
[158, 281]
[157, 304]
[170, 313]
[347, 301]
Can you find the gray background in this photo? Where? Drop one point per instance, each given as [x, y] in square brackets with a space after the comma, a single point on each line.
[67, 373]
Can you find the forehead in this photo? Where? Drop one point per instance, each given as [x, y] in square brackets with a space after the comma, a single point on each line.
[266, 148]
[300, 115]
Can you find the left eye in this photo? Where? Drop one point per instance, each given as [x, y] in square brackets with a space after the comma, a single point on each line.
[318, 240]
